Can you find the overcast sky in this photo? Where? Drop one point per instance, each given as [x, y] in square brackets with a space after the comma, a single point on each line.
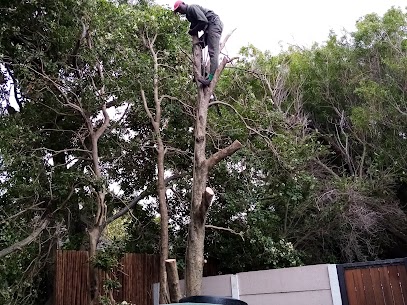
[266, 23]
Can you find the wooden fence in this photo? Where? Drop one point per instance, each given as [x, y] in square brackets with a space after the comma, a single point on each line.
[136, 274]
[374, 283]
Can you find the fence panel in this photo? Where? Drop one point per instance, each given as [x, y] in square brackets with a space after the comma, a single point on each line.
[136, 274]
[374, 283]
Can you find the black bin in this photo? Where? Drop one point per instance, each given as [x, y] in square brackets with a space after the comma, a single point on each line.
[212, 300]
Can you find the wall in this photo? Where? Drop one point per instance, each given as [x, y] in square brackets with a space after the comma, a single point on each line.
[308, 285]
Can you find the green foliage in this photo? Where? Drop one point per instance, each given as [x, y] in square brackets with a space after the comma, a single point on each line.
[108, 258]
[321, 176]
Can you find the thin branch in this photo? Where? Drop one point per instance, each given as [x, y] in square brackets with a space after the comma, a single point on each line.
[21, 212]
[225, 40]
[105, 124]
[59, 88]
[173, 98]
[62, 150]
[218, 72]
[143, 97]
[142, 195]
[226, 229]
[221, 45]
[26, 241]
[324, 166]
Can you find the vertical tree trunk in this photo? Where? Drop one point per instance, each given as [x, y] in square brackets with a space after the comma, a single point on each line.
[100, 218]
[196, 231]
[200, 199]
[161, 188]
[164, 298]
[94, 235]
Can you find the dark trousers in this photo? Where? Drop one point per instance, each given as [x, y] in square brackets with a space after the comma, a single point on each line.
[211, 38]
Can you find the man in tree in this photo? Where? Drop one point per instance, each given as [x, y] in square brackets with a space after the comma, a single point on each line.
[205, 20]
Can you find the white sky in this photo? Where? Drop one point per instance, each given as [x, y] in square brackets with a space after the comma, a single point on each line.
[267, 24]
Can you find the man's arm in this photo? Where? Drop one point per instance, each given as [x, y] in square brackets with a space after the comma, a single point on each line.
[200, 26]
[201, 20]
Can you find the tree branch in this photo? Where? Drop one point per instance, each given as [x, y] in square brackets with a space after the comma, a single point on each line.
[218, 72]
[141, 196]
[26, 241]
[324, 166]
[223, 153]
[105, 124]
[149, 114]
[221, 47]
[225, 229]
[225, 40]
[21, 212]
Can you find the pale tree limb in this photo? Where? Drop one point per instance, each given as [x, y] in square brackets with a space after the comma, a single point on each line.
[106, 117]
[149, 114]
[255, 131]
[161, 149]
[225, 40]
[21, 212]
[26, 241]
[218, 72]
[225, 229]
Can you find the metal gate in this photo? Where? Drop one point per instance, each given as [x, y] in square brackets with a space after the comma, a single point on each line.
[374, 283]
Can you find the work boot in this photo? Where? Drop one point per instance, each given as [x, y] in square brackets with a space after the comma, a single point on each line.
[204, 81]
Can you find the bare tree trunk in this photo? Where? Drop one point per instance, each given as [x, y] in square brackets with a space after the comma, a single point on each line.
[164, 240]
[161, 187]
[201, 198]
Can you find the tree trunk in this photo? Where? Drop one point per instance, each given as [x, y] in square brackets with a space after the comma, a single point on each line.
[196, 231]
[96, 230]
[94, 235]
[161, 187]
[200, 197]
[164, 299]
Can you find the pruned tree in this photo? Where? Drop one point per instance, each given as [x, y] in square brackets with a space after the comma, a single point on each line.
[201, 195]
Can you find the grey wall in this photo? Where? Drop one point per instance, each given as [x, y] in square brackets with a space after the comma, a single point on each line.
[308, 285]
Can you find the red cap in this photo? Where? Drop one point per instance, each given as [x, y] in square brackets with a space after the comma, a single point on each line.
[177, 4]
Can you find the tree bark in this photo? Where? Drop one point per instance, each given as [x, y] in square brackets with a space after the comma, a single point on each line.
[161, 185]
[164, 240]
[201, 196]
[94, 235]
[99, 223]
